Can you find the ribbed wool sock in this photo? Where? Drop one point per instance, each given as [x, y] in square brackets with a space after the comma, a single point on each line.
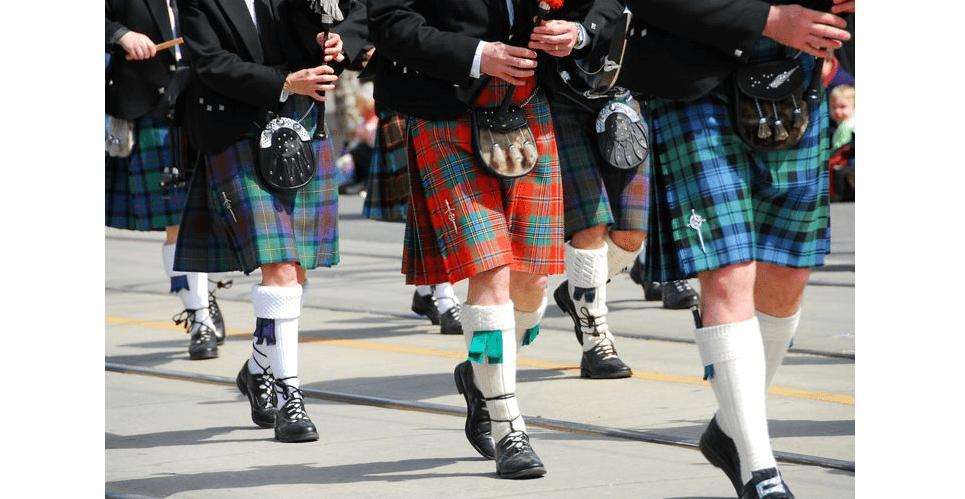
[276, 335]
[617, 258]
[490, 335]
[777, 333]
[527, 324]
[191, 287]
[733, 359]
[586, 275]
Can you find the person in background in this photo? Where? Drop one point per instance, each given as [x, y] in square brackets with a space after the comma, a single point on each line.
[145, 165]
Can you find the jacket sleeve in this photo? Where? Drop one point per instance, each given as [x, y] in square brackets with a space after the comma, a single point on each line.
[222, 70]
[596, 20]
[729, 26]
[403, 35]
[354, 31]
[114, 30]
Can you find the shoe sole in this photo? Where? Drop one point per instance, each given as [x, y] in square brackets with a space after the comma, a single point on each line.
[535, 472]
[204, 355]
[461, 388]
[292, 439]
[243, 387]
[585, 373]
[693, 302]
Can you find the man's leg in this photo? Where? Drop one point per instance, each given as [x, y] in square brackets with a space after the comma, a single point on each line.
[778, 292]
[192, 289]
[490, 333]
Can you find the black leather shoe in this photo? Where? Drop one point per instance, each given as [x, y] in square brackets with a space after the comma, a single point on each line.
[766, 484]
[425, 305]
[515, 458]
[203, 343]
[720, 450]
[217, 319]
[478, 426]
[292, 423]
[215, 310]
[260, 390]
[678, 295]
[450, 322]
[602, 362]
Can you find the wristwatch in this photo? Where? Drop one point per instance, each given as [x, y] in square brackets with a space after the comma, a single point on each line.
[580, 35]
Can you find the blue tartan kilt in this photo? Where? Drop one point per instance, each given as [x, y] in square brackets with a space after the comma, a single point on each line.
[387, 189]
[134, 199]
[717, 202]
[231, 222]
[594, 194]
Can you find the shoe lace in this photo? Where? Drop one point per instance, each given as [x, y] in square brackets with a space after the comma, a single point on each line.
[294, 406]
[455, 312]
[605, 349]
[681, 286]
[185, 317]
[517, 440]
[590, 324]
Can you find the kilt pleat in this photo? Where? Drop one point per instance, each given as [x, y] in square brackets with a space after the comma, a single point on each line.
[387, 190]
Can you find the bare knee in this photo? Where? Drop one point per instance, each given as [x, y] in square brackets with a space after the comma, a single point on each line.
[279, 274]
[527, 290]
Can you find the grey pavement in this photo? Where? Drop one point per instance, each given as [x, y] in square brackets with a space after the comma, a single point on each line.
[379, 384]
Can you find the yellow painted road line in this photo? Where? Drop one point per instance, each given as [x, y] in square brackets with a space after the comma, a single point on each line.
[435, 352]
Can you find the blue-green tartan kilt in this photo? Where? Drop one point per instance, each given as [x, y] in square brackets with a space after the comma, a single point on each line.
[717, 202]
[134, 199]
[231, 222]
[593, 193]
[387, 189]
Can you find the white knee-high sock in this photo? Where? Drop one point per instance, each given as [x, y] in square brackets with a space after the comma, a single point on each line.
[733, 359]
[586, 275]
[617, 258]
[527, 324]
[491, 329]
[777, 333]
[276, 337]
[191, 287]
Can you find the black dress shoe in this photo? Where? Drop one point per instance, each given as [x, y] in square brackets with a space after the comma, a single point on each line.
[217, 319]
[602, 362]
[292, 423]
[766, 484]
[679, 295]
[450, 322]
[260, 390]
[203, 343]
[720, 450]
[515, 458]
[425, 305]
[478, 426]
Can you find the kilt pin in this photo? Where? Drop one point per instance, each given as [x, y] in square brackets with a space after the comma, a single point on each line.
[463, 221]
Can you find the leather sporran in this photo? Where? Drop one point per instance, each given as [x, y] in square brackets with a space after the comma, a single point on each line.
[503, 142]
[769, 108]
[621, 133]
[119, 141]
[286, 160]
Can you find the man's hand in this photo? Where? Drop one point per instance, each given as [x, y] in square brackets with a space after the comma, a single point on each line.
[368, 56]
[138, 46]
[332, 46]
[556, 38]
[842, 6]
[506, 62]
[311, 81]
[804, 29]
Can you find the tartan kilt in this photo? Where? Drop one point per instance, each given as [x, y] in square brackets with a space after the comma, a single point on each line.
[717, 202]
[388, 183]
[462, 221]
[593, 193]
[134, 199]
[231, 222]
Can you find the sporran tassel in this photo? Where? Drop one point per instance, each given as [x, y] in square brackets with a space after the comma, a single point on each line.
[499, 157]
[515, 156]
[798, 114]
[780, 133]
[763, 131]
[329, 7]
[529, 150]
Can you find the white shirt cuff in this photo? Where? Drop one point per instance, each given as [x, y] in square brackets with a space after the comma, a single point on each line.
[586, 39]
[477, 60]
